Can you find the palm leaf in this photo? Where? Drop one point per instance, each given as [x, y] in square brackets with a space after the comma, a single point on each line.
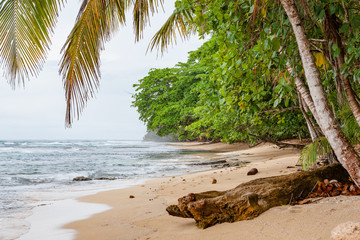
[311, 152]
[80, 64]
[180, 20]
[25, 30]
[141, 14]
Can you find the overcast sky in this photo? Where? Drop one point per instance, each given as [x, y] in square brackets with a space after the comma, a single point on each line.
[38, 110]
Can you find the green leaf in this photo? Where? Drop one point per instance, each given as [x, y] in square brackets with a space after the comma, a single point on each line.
[247, 98]
[276, 102]
[252, 9]
[355, 22]
[344, 28]
[276, 44]
[287, 101]
[277, 88]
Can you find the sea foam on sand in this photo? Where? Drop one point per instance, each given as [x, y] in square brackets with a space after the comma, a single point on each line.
[47, 219]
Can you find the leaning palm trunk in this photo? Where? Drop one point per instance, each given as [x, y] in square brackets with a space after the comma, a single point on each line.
[304, 92]
[304, 97]
[312, 130]
[326, 120]
[332, 34]
[354, 105]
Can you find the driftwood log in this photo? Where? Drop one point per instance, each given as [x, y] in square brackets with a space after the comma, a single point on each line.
[250, 199]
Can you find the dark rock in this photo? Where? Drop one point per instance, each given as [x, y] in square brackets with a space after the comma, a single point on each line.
[252, 171]
[232, 164]
[214, 162]
[131, 196]
[81, 178]
[105, 178]
[214, 181]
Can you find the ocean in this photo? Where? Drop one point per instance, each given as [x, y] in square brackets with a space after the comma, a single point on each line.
[34, 171]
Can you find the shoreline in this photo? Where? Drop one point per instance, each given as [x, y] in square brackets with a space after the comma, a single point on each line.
[64, 204]
[62, 207]
[144, 217]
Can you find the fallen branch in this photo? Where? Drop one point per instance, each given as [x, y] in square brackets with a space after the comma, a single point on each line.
[249, 200]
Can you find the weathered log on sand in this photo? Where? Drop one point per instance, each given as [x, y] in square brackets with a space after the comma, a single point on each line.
[248, 200]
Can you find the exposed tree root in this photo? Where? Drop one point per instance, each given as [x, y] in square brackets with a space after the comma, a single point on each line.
[248, 200]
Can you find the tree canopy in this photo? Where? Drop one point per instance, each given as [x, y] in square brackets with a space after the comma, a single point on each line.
[276, 68]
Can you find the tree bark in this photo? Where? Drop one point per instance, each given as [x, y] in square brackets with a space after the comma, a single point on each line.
[332, 33]
[326, 120]
[313, 133]
[354, 105]
[250, 199]
[304, 92]
[304, 96]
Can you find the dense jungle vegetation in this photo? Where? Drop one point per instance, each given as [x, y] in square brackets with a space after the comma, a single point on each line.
[237, 86]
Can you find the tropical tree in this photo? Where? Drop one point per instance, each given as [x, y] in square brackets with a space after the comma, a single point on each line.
[166, 98]
[219, 16]
[326, 119]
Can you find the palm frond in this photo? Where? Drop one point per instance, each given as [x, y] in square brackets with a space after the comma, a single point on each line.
[80, 64]
[180, 20]
[350, 127]
[115, 14]
[25, 30]
[141, 14]
[311, 152]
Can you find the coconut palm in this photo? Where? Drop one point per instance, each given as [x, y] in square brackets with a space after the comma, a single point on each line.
[26, 29]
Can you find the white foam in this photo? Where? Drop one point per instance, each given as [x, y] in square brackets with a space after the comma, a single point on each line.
[47, 220]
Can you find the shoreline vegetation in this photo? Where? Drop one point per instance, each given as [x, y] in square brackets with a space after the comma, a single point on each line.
[138, 212]
[269, 71]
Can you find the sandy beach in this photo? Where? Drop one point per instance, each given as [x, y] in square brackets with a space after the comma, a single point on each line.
[144, 216]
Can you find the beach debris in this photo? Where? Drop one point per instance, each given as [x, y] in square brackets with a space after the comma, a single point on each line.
[346, 231]
[81, 178]
[214, 181]
[131, 196]
[333, 188]
[212, 162]
[305, 201]
[252, 171]
[248, 200]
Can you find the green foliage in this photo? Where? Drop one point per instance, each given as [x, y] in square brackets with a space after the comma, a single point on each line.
[350, 127]
[165, 99]
[244, 89]
[310, 153]
[229, 106]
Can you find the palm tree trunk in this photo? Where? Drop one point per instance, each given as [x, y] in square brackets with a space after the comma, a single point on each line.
[327, 121]
[304, 92]
[305, 99]
[354, 105]
[331, 30]
[313, 133]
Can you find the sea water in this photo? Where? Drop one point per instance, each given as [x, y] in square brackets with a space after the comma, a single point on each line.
[33, 171]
